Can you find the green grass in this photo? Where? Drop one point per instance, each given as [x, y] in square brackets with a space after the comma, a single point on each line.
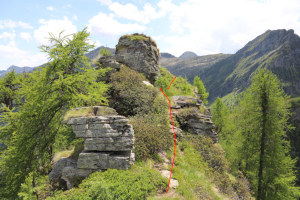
[190, 171]
[139, 182]
[89, 111]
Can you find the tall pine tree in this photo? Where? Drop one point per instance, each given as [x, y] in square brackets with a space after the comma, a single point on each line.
[201, 90]
[263, 114]
[66, 81]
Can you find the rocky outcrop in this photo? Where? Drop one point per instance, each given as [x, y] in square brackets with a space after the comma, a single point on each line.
[108, 144]
[56, 175]
[109, 61]
[138, 52]
[193, 116]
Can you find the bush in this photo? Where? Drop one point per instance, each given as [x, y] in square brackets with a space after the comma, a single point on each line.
[152, 134]
[180, 86]
[130, 96]
[138, 182]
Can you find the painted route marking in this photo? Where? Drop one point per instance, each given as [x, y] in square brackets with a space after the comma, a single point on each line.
[173, 131]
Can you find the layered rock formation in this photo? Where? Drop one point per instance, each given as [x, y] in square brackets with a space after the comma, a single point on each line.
[136, 51]
[108, 144]
[193, 116]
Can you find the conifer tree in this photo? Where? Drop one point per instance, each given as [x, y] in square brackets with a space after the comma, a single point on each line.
[201, 89]
[66, 81]
[220, 114]
[263, 114]
[9, 84]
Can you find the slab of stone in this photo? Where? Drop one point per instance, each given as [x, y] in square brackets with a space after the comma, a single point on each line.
[102, 160]
[109, 144]
[119, 162]
[173, 182]
[92, 161]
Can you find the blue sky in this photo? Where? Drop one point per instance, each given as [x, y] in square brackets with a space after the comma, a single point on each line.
[202, 26]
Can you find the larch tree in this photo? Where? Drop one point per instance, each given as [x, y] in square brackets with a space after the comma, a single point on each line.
[9, 84]
[65, 82]
[263, 121]
[201, 90]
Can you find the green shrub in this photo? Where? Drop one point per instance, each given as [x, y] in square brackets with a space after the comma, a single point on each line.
[180, 86]
[130, 96]
[212, 153]
[214, 156]
[37, 187]
[152, 134]
[138, 182]
[104, 52]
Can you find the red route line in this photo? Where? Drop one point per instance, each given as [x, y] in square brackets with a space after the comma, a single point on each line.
[170, 85]
[173, 131]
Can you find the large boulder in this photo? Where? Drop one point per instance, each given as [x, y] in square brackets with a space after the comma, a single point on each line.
[140, 53]
[56, 174]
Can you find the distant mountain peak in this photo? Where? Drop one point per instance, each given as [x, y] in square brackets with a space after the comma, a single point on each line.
[188, 54]
[270, 40]
[167, 55]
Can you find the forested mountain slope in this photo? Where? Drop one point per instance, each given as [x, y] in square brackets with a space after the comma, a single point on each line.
[278, 51]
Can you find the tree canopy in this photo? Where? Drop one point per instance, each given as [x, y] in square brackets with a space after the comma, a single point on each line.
[66, 81]
[263, 120]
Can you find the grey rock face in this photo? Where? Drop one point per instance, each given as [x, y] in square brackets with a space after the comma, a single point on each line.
[109, 61]
[109, 142]
[140, 53]
[187, 112]
[56, 172]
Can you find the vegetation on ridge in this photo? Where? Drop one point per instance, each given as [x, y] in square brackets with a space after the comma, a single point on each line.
[67, 81]
[257, 138]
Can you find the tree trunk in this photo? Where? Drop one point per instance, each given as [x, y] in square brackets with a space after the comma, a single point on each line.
[260, 191]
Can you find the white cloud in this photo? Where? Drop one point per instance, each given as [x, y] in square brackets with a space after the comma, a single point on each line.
[224, 26]
[26, 36]
[50, 8]
[105, 2]
[97, 43]
[53, 26]
[20, 57]
[7, 36]
[106, 25]
[13, 24]
[68, 5]
[75, 17]
[131, 12]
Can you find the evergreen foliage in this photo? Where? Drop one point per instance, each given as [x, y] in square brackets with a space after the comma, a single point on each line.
[152, 135]
[220, 114]
[104, 52]
[229, 136]
[139, 182]
[66, 81]
[262, 119]
[201, 89]
[9, 84]
[130, 96]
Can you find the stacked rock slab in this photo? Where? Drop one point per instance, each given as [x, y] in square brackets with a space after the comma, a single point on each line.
[187, 112]
[108, 143]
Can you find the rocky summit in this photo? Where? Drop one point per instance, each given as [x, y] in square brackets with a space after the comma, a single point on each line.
[140, 53]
